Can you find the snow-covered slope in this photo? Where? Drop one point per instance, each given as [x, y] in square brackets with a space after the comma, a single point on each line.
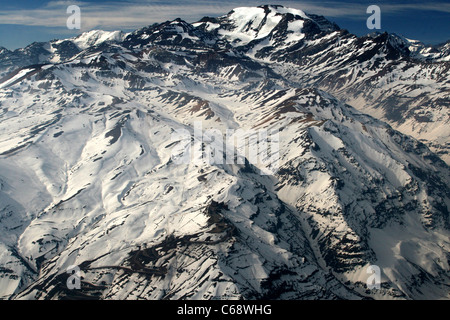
[376, 77]
[89, 176]
[398, 80]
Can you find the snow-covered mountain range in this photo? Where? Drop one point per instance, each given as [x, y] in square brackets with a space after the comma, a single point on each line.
[88, 177]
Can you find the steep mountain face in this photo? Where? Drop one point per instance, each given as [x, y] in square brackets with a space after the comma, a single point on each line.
[90, 171]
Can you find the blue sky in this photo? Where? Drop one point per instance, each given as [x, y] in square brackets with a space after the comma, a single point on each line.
[25, 21]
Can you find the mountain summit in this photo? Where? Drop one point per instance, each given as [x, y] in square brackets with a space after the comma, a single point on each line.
[243, 25]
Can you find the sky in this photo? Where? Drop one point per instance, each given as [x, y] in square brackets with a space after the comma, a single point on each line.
[25, 21]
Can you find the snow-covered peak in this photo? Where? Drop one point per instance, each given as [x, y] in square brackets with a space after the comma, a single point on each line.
[175, 32]
[445, 50]
[417, 49]
[250, 23]
[280, 26]
[253, 23]
[283, 10]
[256, 15]
[96, 37]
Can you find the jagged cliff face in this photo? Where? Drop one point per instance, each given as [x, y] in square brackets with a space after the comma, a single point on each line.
[89, 177]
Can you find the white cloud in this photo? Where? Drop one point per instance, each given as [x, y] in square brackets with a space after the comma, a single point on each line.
[108, 15]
